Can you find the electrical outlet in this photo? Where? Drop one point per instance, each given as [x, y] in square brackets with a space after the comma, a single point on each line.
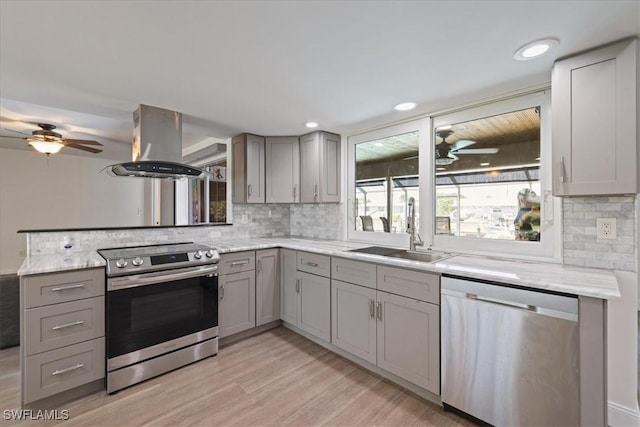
[606, 228]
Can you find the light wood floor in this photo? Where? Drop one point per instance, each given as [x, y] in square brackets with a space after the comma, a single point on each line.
[277, 378]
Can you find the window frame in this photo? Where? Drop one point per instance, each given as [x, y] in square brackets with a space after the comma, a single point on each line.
[423, 127]
[549, 248]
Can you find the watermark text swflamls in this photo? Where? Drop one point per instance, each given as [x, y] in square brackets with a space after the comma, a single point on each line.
[36, 414]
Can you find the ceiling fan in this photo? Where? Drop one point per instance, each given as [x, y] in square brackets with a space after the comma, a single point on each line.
[46, 141]
[446, 153]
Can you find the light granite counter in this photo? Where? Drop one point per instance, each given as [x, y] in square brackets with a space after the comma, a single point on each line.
[580, 281]
[54, 263]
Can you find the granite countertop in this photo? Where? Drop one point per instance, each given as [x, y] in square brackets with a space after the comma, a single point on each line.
[573, 280]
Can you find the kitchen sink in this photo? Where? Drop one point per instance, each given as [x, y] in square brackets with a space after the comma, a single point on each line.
[420, 256]
[399, 253]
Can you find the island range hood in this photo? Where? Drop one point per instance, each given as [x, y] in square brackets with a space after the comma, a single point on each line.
[157, 147]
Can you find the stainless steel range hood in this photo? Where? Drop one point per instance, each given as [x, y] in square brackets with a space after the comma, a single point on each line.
[157, 147]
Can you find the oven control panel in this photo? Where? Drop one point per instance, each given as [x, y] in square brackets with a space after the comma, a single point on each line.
[123, 263]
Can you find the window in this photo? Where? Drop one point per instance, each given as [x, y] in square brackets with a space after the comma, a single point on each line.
[490, 181]
[481, 179]
[384, 167]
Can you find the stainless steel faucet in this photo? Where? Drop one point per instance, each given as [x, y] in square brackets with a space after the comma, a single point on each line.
[411, 225]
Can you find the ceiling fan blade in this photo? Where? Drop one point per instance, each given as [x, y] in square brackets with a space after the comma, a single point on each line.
[12, 137]
[462, 143]
[478, 151]
[453, 156]
[72, 142]
[15, 131]
[83, 148]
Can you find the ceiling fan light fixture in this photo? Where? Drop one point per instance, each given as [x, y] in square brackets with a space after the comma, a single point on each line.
[44, 146]
[444, 161]
[535, 49]
[405, 106]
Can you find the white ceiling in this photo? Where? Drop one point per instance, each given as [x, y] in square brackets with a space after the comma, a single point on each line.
[268, 67]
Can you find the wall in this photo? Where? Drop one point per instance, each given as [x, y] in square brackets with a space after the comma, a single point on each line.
[262, 221]
[65, 191]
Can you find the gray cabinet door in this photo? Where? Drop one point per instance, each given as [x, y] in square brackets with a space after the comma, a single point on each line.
[288, 286]
[248, 159]
[309, 168]
[594, 122]
[267, 287]
[330, 170]
[282, 169]
[314, 313]
[237, 309]
[353, 322]
[319, 168]
[409, 339]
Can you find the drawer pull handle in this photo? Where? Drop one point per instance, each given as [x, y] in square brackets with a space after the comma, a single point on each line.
[298, 285]
[221, 292]
[66, 288]
[312, 264]
[233, 264]
[65, 370]
[67, 325]
[372, 310]
[379, 311]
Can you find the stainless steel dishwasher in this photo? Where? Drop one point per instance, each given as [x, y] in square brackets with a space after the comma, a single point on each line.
[509, 355]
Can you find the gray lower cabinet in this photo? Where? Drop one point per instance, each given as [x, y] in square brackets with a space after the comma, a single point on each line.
[237, 302]
[288, 286]
[390, 319]
[267, 286]
[62, 331]
[306, 298]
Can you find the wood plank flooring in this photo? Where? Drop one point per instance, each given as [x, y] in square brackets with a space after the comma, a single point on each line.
[277, 378]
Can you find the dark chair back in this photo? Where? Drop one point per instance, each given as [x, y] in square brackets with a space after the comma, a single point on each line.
[385, 224]
[367, 222]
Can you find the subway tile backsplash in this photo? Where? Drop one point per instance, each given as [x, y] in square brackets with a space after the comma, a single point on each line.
[325, 221]
[580, 244]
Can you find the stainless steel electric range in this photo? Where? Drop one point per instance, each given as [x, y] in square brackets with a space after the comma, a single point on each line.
[162, 309]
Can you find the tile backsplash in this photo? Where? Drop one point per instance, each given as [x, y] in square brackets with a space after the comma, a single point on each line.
[580, 244]
[268, 220]
[324, 221]
[321, 221]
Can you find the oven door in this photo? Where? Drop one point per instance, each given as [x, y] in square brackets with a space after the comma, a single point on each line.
[169, 309]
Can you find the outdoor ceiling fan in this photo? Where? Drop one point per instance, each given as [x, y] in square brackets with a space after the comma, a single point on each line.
[46, 141]
[446, 153]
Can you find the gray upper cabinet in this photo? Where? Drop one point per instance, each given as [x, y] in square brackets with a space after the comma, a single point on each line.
[282, 169]
[248, 169]
[320, 168]
[594, 122]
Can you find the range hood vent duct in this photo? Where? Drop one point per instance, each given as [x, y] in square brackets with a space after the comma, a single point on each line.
[157, 147]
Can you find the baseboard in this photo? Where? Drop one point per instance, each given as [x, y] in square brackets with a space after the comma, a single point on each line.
[620, 416]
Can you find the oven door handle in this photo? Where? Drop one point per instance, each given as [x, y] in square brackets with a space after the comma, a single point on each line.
[118, 283]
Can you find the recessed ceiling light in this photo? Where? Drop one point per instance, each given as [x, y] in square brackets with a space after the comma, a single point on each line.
[534, 49]
[405, 106]
[311, 125]
[378, 144]
[485, 164]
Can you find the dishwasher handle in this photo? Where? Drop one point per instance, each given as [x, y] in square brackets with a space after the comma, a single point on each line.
[511, 304]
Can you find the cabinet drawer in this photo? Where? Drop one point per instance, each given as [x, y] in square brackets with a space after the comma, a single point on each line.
[236, 262]
[409, 283]
[54, 288]
[314, 263]
[59, 370]
[358, 272]
[54, 326]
